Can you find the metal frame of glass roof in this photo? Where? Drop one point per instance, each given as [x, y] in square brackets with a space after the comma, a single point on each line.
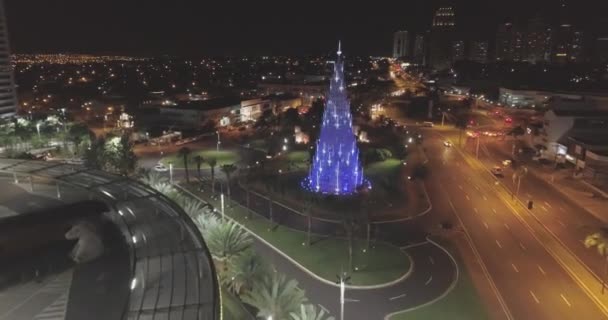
[173, 276]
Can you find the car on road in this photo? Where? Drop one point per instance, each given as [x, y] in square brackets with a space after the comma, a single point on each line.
[160, 168]
[427, 124]
[506, 162]
[447, 143]
[497, 171]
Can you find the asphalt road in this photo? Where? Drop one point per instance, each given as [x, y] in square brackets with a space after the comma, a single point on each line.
[527, 277]
[565, 219]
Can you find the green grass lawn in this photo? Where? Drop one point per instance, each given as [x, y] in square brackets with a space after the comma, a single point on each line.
[389, 167]
[462, 303]
[222, 157]
[327, 257]
[232, 307]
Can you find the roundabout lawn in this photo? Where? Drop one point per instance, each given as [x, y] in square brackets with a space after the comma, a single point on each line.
[462, 303]
[327, 256]
[225, 156]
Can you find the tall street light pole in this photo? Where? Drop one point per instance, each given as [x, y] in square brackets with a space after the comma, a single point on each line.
[218, 140]
[38, 129]
[171, 172]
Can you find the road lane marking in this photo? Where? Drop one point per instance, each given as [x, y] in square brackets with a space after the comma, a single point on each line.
[562, 209]
[467, 196]
[566, 300]
[507, 226]
[350, 300]
[485, 224]
[514, 267]
[322, 307]
[428, 281]
[541, 270]
[560, 222]
[432, 260]
[484, 197]
[460, 187]
[528, 195]
[543, 207]
[498, 243]
[522, 246]
[475, 209]
[494, 210]
[534, 296]
[547, 204]
[397, 297]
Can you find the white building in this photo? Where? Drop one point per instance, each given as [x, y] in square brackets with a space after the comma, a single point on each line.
[540, 98]
[8, 96]
[400, 44]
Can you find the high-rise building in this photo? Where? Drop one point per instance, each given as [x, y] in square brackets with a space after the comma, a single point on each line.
[509, 42]
[568, 46]
[335, 166]
[400, 44]
[8, 99]
[479, 51]
[538, 41]
[442, 37]
[420, 49]
[600, 52]
[457, 50]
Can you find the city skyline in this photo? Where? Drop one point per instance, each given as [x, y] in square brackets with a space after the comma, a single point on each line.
[194, 29]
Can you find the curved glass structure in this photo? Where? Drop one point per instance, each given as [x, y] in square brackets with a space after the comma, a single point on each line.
[172, 273]
[335, 167]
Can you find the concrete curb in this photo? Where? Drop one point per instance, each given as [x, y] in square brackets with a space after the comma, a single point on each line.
[307, 271]
[418, 215]
[440, 297]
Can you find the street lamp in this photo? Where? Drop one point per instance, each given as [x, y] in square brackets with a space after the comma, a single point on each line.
[218, 140]
[38, 129]
[171, 172]
[342, 280]
[222, 206]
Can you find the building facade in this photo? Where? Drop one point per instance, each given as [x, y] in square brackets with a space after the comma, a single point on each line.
[400, 44]
[441, 38]
[420, 49]
[479, 51]
[509, 42]
[457, 50]
[538, 41]
[8, 96]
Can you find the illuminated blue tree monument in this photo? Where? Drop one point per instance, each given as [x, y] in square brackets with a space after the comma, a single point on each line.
[335, 167]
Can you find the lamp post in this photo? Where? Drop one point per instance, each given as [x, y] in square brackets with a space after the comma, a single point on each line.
[342, 280]
[171, 172]
[222, 206]
[38, 129]
[218, 140]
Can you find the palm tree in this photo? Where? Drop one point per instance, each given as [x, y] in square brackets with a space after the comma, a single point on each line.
[185, 152]
[245, 271]
[225, 239]
[212, 162]
[599, 240]
[310, 312]
[228, 170]
[275, 297]
[199, 161]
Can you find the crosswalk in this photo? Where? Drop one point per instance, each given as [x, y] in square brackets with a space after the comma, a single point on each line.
[56, 310]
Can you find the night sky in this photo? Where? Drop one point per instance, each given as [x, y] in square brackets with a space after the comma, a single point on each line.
[202, 27]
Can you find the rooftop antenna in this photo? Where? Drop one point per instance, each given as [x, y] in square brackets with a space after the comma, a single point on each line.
[339, 47]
